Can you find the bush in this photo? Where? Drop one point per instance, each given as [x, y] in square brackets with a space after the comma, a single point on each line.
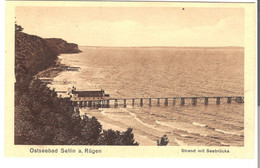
[18, 28]
[163, 141]
[111, 137]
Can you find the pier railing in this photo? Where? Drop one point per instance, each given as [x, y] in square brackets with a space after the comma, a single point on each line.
[115, 102]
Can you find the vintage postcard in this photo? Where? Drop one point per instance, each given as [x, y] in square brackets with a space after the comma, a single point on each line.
[139, 79]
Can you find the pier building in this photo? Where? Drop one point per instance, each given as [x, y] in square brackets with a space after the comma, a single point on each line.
[89, 95]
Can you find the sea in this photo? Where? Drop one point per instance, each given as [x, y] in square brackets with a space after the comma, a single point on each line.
[154, 72]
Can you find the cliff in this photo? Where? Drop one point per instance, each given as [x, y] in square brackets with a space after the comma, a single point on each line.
[62, 46]
[34, 54]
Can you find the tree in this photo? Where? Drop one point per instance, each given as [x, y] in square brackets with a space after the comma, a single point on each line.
[163, 141]
[91, 130]
[18, 28]
[128, 137]
[111, 137]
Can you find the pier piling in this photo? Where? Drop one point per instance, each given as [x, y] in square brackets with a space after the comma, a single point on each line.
[173, 101]
[182, 101]
[141, 102]
[124, 103]
[107, 105]
[99, 103]
[103, 103]
[116, 103]
[194, 101]
[166, 102]
[133, 102]
[218, 100]
[89, 103]
[229, 100]
[150, 102]
[206, 101]
[158, 101]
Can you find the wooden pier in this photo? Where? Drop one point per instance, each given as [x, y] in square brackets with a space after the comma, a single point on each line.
[124, 102]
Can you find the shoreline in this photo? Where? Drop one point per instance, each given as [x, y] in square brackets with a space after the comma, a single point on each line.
[141, 135]
[49, 72]
[53, 71]
[141, 139]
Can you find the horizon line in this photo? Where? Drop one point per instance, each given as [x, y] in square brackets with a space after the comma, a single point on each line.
[165, 46]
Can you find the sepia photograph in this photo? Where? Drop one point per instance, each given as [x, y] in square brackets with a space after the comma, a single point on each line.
[149, 75]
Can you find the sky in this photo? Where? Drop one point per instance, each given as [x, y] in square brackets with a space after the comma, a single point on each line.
[136, 26]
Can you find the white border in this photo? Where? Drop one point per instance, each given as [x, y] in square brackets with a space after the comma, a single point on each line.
[82, 162]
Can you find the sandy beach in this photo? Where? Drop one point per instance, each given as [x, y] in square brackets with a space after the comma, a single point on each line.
[140, 136]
